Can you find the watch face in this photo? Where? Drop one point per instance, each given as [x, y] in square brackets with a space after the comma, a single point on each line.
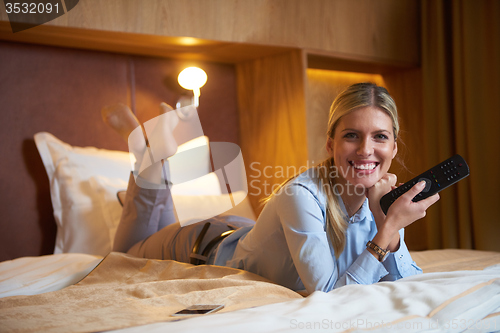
[382, 257]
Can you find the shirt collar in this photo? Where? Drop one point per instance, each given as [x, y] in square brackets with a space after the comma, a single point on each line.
[311, 174]
[363, 213]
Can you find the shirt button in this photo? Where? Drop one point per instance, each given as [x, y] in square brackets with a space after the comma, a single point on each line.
[401, 256]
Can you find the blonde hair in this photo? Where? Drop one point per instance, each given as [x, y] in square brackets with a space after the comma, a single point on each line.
[354, 97]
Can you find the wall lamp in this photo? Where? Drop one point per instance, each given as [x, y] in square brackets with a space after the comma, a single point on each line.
[192, 78]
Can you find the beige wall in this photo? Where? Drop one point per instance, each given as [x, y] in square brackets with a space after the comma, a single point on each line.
[382, 30]
[322, 86]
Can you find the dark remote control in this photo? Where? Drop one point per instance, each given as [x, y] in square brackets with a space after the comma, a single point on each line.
[437, 179]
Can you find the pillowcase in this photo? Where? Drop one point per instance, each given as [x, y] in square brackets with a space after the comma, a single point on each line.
[199, 207]
[204, 185]
[84, 182]
[80, 225]
[110, 196]
[107, 207]
[191, 209]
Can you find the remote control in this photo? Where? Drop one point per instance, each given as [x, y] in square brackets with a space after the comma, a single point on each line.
[436, 179]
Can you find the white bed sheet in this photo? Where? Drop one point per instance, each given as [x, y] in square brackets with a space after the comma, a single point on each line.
[431, 302]
[36, 275]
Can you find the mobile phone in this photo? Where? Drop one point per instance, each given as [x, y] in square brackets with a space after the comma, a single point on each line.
[199, 309]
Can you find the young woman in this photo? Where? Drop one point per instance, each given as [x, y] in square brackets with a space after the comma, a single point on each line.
[319, 230]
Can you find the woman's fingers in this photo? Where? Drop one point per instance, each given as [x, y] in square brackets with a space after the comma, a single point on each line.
[427, 202]
[391, 178]
[416, 189]
[411, 211]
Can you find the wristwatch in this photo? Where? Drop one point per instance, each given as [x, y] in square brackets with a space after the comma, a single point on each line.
[382, 254]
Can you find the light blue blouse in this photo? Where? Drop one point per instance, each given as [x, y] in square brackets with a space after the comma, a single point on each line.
[289, 244]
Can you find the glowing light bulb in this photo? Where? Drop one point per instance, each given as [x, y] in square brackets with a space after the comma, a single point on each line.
[193, 78]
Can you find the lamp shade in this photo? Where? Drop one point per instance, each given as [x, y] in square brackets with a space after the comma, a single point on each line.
[192, 78]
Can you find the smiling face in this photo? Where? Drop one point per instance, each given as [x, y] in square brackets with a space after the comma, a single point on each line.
[363, 146]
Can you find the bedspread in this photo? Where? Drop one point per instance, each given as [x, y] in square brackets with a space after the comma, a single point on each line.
[125, 291]
[136, 295]
[461, 301]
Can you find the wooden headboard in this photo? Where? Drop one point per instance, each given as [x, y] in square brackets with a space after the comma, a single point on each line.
[61, 91]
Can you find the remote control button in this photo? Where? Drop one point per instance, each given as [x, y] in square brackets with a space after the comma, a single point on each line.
[427, 184]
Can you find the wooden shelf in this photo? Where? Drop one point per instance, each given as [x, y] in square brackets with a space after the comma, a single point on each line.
[187, 48]
[349, 63]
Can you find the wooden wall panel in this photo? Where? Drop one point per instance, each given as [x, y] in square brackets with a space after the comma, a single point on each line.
[382, 30]
[272, 121]
[406, 89]
[321, 89]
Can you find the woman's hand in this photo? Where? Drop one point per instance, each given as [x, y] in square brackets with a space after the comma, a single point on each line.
[374, 193]
[402, 213]
[377, 191]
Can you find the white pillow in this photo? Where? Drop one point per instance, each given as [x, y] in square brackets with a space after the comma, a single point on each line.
[80, 224]
[191, 209]
[195, 207]
[204, 185]
[110, 191]
[84, 182]
[108, 207]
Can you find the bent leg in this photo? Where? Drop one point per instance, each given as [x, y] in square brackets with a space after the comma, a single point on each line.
[145, 211]
[176, 243]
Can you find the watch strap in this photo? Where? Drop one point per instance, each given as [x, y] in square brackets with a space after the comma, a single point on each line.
[382, 254]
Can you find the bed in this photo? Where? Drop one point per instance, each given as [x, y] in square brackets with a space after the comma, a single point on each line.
[126, 294]
[74, 283]
[85, 287]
